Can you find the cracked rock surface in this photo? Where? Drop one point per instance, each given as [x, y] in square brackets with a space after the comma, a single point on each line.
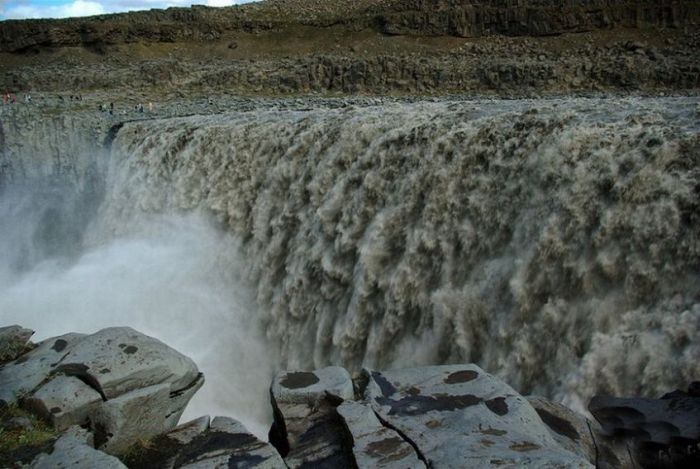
[307, 430]
[461, 416]
[124, 385]
[221, 443]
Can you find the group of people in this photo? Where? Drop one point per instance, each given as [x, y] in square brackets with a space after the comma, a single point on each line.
[137, 108]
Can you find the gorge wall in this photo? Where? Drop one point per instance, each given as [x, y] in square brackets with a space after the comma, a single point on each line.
[464, 18]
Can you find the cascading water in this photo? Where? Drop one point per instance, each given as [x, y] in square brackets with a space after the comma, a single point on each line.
[555, 243]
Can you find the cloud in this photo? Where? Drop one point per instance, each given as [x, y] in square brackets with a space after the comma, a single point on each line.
[71, 8]
[75, 8]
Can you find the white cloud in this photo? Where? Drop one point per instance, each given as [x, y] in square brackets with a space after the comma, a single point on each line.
[75, 8]
[9, 10]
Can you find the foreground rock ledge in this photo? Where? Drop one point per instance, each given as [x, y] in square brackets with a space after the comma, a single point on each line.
[120, 393]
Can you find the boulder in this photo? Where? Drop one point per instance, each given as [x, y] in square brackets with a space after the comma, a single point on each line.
[25, 374]
[119, 359]
[74, 450]
[141, 414]
[374, 445]
[307, 429]
[225, 443]
[460, 416]
[13, 342]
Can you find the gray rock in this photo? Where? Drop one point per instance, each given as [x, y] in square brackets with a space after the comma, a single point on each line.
[188, 431]
[460, 416]
[307, 387]
[119, 359]
[25, 374]
[137, 415]
[64, 401]
[13, 342]
[73, 450]
[179, 400]
[228, 444]
[582, 436]
[307, 429]
[374, 445]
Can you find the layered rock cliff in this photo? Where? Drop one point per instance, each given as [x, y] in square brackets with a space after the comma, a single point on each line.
[464, 18]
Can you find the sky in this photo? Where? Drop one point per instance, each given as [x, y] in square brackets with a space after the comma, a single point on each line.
[17, 9]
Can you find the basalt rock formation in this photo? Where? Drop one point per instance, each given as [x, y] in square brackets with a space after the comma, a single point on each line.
[450, 416]
[370, 46]
[466, 18]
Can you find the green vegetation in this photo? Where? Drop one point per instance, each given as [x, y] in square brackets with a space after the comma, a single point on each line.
[22, 444]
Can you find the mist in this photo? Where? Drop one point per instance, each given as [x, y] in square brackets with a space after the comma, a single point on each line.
[176, 278]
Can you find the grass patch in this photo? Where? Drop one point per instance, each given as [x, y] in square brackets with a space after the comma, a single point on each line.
[22, 444]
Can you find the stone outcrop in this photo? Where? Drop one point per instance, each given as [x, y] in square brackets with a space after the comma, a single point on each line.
[126, 386]
[450, 416]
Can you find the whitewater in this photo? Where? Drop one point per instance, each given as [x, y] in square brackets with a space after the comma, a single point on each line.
[555, 243]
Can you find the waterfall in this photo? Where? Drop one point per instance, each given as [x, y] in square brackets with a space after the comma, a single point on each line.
[555, 243]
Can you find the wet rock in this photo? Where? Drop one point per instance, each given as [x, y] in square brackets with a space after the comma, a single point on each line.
[64, 401]
[26, 373]
[74, 450]
[13, 342]
[307, 429]
[119, 359]
[460, 416]
[374, 445]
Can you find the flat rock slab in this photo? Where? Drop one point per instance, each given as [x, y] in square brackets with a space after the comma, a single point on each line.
[13, 342]
[119, 359]
[73, 450]
[300, 387]
[374, 445]
[25, 374]
[308, 430]
[460, 416]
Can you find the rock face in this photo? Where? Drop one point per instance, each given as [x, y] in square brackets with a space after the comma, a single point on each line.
[375, 445]
[126, 385]
[223, 443]
[472, 18]
[307, 428]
